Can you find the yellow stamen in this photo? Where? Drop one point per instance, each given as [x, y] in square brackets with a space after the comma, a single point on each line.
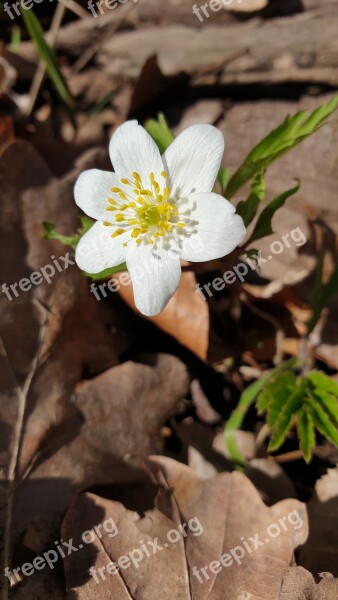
[117, 232]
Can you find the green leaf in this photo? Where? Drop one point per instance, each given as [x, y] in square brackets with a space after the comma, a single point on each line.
[323, 382]
[73, 240]
[247, 208]
[160, 132]
[291, 132]
[50, 232]
[247, 398]
[329, 404]
[263, 226]
[306, 433]
[278, 393]
[322, 420]
[322, 294]
[107, 272]
[223, 177]
[48, 57]
[286, 416]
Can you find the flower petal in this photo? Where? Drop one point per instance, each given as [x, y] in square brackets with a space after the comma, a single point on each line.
[218, 229]
[193, 160]
[155, 276]
[92, 190]
[97, 250]
[132, 149]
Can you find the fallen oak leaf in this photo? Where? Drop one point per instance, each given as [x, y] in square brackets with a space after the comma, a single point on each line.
[216, 516]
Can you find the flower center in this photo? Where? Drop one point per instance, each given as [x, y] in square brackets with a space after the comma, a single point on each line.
[147, 212]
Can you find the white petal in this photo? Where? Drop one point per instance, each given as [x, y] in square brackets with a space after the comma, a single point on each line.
[92, 190]
[193, 160]
[155, 276]
[218, 229]
[97, 250]
[132, 149]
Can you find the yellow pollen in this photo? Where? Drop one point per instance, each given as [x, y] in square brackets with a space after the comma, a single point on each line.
[150, 215]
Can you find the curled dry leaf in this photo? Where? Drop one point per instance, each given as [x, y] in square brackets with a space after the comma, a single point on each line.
[218, 516]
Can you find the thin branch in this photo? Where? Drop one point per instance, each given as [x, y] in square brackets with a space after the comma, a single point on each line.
[21, 393]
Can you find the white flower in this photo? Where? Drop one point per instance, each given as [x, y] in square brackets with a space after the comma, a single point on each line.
[153, 211]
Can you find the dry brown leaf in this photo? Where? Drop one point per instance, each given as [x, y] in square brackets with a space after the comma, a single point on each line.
[186, 317]
[227, 508]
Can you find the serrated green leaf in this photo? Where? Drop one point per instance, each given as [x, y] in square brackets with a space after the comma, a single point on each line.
[306, 433]
[246, 400]
[291, 132]
[263, 226]
[285, 420]
[329, 404]
[247, 209]
[223, 177]
[322, 420]
[323, 382]
[279, 393]
[48, 57]
[160, 132]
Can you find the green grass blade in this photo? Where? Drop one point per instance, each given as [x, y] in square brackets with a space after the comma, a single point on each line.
[48, 57]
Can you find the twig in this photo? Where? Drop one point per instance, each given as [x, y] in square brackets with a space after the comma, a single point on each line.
[22, 393]
[76, 8]
[92, 50]
[289, 456]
